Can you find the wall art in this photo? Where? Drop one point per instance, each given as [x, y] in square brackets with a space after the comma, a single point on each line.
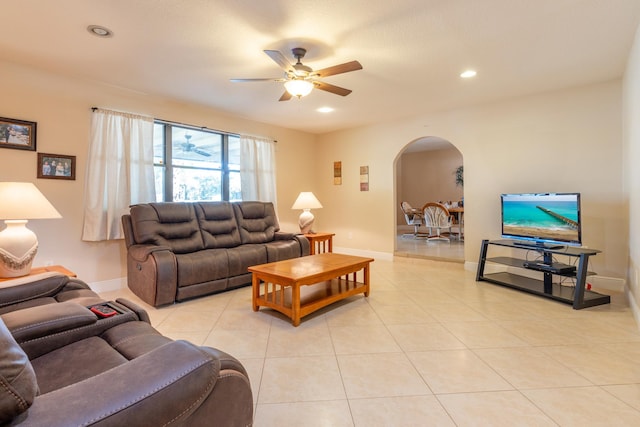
[17, 134]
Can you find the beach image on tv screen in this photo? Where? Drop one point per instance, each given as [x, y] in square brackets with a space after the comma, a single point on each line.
[551, 217]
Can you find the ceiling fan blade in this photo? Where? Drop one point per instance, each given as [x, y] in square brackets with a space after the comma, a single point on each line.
[279, 59]
[257, 80]
[285, 96]
[338, 69]
[331, 88]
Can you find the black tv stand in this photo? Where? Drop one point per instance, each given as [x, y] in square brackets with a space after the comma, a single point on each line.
[577, 296]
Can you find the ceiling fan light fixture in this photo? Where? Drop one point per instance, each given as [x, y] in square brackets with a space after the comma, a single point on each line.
[298, 87]
[467, 74]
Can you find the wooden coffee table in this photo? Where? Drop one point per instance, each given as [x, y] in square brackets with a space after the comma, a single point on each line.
[299, 286]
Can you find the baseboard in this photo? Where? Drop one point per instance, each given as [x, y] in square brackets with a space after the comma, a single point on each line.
[633, 305]
[385, 256]
[603, 283]
[109, 285]
[470, 266]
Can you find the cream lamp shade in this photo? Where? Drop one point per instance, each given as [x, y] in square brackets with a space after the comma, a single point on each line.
[20, 202]
[306, 201]
[298, 87]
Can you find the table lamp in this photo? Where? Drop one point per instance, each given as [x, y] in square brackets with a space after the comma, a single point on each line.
[20, 202]
[306, 201]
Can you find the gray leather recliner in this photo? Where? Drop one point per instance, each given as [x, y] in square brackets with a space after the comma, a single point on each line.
[62, 364]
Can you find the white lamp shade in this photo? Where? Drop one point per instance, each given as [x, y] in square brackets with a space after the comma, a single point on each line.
[298, 87]
[306, 200]
[21, 201]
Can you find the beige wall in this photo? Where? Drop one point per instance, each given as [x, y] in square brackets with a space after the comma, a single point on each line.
[61, 108]
[427, 176]
[567, 140]
[562, 141]
[631, 126]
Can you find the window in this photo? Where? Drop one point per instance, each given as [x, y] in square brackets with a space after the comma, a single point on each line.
[193, 164]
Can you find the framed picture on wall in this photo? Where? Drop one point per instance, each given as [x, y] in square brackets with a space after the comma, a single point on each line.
[17, 134]
[56, 166]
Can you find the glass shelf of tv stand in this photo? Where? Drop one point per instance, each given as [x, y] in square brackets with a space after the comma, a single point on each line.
[556, 249]
[576, 295]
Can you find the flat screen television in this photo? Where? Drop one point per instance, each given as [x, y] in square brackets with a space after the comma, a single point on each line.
[542, 219]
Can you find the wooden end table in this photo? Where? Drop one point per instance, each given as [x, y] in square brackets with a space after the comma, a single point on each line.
[39, 270]
[300, 286]
[320, 242]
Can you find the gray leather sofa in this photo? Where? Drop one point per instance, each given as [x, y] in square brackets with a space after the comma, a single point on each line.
[61, 364]
[177, 251]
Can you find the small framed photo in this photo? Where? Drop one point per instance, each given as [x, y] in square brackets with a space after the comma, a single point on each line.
[17, 134]
[56, 166]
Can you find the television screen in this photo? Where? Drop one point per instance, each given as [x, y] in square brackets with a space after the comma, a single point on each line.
[542, 217]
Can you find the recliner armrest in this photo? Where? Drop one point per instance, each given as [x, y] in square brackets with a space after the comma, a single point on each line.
[282, 235]
[160, 387]
[139, 311]
[142, 252]
[43, 320]
[305, 246]
[26, 288]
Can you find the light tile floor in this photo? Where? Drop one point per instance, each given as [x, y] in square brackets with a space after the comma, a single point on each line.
[409, 246]
[428, 347]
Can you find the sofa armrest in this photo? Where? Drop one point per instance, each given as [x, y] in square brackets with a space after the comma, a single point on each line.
[21, 289]
[152, 274]
[141, 252]
[35, 322]
[162, 387]
[305, 246]
[139, 311]
[283, 235]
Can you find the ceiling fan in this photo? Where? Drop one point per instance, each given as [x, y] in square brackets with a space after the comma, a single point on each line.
[190, 147]
[299, 79]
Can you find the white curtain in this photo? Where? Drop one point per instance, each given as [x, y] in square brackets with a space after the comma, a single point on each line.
[258, 169]
[119, 171]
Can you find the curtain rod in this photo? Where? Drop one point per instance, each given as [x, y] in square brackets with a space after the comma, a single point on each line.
[170, 122]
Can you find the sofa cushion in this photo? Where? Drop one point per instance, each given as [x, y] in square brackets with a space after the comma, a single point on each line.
[88, 357]
[257, 221]
[18, 386]
[167, 224]
[202, 266]
[279, 250]
[218, 224]
[245, 256]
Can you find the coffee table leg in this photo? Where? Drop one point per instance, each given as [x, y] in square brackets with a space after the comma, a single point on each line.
[295, 305]
[255, 284]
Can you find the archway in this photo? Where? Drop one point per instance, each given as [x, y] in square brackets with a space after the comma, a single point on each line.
[425, 171]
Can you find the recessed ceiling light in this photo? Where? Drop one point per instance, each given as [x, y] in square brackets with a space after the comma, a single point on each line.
[468, 74]
[324, 110]
[99, 31]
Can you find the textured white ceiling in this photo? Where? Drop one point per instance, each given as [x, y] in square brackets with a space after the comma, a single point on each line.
[412, 51]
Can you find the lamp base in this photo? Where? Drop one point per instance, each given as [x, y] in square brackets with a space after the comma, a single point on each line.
[306, 221]
[18, 248]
